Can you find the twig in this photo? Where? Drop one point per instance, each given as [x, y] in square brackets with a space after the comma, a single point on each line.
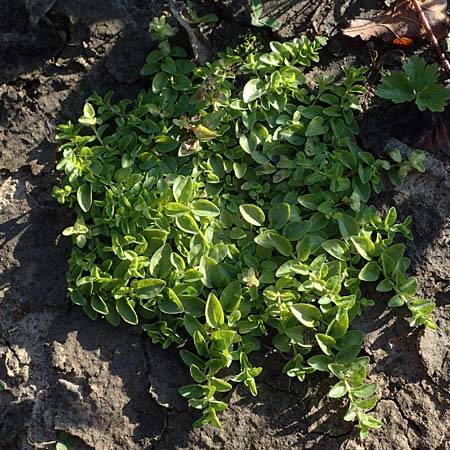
[202, 52]
[432, 37]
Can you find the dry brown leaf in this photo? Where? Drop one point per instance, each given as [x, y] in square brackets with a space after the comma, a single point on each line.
[402, 20]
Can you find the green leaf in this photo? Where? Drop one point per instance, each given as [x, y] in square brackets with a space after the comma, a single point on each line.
[303, 248]
[126, 311]
[183, 189]
[252, 214]
[316, 127]
[419, 72]
[434, 98]
[396, 87]
[320, 362]
[170, 303]
[363, 245]
[159, 82]
[370, 272]
[221, 385]
[364, 390]
[270, 239]
[193, 305]
[198, 375]
[204, 208]
[409, 287]
[248, 143]
[192, 391]
[148, 287]
[326, 343]
[367, 403]
[99, 305]
[348, 354]
[396, 301]
[231, 296]
[253, 90]
[187, 224]
[336, 248]
[181, 82]
[279, 215]
[223, 339]
[338, 390]
[388, 264]
[84, 196]
[77, 298]
[307, 314]
[347, 225]
[176, 209]
[88, 117]
[385, 286]
[214, 312]
[338, 328]
[294, 231]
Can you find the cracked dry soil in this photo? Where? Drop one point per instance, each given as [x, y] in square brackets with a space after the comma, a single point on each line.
[109, 389]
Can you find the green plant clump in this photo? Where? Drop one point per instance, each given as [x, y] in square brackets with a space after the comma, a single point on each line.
[213, 215]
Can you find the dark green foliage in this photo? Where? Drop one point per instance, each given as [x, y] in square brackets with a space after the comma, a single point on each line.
[417, 81]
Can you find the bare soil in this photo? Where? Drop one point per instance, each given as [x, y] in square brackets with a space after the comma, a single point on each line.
[109, 389]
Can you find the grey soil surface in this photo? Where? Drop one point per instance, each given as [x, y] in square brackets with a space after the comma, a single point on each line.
[108, 388]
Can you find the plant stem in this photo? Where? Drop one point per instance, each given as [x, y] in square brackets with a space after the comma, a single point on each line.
[431, 36]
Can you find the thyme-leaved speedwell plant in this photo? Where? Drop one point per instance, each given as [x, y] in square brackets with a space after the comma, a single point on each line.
[213, 215]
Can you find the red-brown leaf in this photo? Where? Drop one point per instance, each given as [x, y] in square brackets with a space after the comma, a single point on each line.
[402, 20]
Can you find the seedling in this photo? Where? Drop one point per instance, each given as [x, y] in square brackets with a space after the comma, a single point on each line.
[160, 29]
[418, 82]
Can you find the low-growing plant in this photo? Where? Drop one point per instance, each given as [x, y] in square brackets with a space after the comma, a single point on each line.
[213, 215]
[418, 82]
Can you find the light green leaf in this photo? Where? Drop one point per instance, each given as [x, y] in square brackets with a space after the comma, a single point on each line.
[84, 196]
[307, 314]
[253, 90]
[326, 343]
[370, 272]
[187, 224]
[338, 328]
[176, 209]
[338, 390]
[365, 390]
[214, 312]
[204, 208]
[336, 248]
[170, 303]
[148, 287]
[183, 189]
[320, 362]
[252, 214]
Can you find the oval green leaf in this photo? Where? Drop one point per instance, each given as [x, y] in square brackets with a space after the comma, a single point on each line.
[126, 311]
[84, 196]
[252, 214]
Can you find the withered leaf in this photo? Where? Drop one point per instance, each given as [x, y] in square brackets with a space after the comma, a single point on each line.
[402, 20]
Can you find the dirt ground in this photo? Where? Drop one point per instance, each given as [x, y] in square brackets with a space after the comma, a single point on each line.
[107, 388]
